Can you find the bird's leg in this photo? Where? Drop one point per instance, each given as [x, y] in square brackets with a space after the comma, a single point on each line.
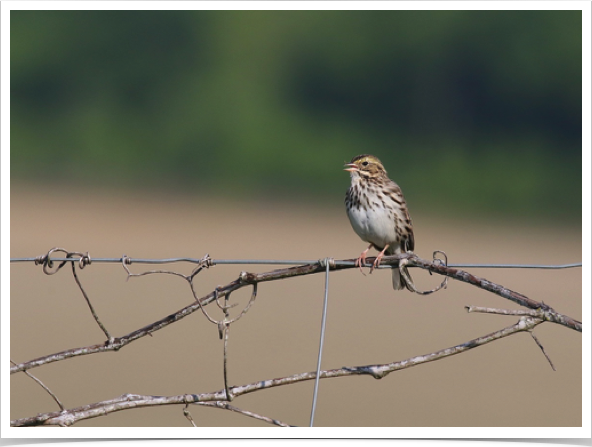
[376, 262]
[361, 261]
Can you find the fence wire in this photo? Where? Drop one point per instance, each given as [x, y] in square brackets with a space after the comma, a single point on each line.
[284, 262]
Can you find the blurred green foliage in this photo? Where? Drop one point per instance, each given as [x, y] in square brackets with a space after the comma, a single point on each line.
[469, 110]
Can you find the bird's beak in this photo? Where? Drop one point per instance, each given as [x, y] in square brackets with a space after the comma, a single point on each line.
[351, 167]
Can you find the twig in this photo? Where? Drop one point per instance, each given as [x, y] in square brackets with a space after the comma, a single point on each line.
[227, 406]
[490, 310]
[90, 306]
[530, 313]
[187, 414]
[44, 387]
[542, 349]
[229, 395]
[83, 260]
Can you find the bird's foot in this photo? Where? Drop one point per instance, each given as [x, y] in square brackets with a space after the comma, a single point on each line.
[361, 261]
[376, 262]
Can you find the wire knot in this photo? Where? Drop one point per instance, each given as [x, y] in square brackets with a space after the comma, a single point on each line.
[438, 261]
[84, 260]
[327, 261]
[40, 259]
[47, 262]
[207, 261]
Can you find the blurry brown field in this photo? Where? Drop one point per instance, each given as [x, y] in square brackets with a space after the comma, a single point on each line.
[505, 383]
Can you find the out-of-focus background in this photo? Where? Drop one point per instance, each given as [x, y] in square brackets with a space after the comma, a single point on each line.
[179, 133]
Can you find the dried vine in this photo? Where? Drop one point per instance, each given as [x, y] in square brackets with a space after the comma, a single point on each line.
[535, 314]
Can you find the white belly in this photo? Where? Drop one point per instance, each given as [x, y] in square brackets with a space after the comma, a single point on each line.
[375, 225]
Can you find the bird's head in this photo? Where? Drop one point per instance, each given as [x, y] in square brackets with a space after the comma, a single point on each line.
[366, 165]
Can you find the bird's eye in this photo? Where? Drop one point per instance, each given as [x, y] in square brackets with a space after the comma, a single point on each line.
[365, 163]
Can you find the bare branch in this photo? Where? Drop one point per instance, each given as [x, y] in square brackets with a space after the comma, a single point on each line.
[535, 314]
[544, 312]
[129, 401]
[490, 310]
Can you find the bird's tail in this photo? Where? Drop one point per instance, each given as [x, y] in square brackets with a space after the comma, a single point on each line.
[399, 282]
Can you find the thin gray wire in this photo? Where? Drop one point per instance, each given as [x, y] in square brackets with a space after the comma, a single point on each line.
[323, 323]
[291, 262]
